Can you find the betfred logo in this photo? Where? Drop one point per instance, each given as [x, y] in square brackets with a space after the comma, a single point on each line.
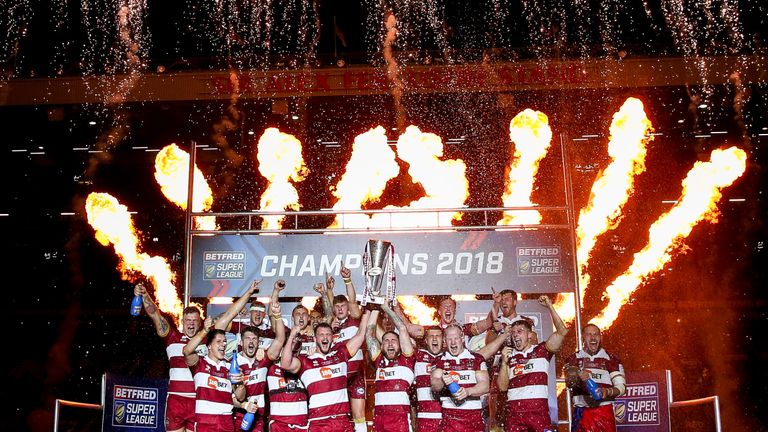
[518, 370]
[326, 372]
[455, 375]
[383, 374]
[213, 382]
[281, 382]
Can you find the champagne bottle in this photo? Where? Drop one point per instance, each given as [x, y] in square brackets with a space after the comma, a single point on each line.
[234, 368]
[136, 305]
[593, 387]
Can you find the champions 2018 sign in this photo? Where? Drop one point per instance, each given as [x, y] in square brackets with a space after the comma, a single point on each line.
[465, 262]
[134, 404]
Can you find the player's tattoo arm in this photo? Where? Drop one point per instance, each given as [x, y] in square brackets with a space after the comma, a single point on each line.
[374, 347]
[394, 317]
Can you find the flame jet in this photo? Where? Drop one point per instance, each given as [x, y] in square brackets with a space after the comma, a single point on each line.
[280, 162]
[171, 173]
[416, 311]
[113, 225]
[530, 132]
[627, 148]
[701, 193]
[370, 167]
[444, 181]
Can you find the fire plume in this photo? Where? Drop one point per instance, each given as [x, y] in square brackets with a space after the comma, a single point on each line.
[530, 132]
[370, 167]
[444, 181]
[629, 130]
[701, 193]
[416, 310]
[172, 172]
[280, 162]
[113, 225]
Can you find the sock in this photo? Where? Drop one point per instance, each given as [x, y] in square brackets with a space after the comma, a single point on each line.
[361, 425]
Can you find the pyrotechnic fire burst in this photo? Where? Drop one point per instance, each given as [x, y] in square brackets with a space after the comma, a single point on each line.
[280, 162]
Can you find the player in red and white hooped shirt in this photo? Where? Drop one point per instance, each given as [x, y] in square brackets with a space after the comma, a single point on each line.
[345, 323]
[605, 369]
[524, 374]
[180, 404]
[324, 375]
[428, 405]
[462, 412]
[255, 362]
[394, 361]
[213, 383]
[287, 395]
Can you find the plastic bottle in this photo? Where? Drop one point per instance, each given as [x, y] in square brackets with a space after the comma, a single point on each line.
[234, 368]
[593, 387]
[136, 305]
[247, 421]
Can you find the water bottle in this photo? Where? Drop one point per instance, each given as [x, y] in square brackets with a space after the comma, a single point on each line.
[234, 368]
[247, 421]
[136, 305]
[593, 387]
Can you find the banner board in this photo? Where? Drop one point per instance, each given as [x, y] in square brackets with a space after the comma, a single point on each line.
[645, 405]
[426, 263]
[134, 404]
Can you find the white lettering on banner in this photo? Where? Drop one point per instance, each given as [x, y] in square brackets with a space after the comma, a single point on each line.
[224, 256]
[642, 405]
[416, 264]
[145, 409]
[641, 390]
[135, 419]
[538, 251]
[642, 417]
[135, 393]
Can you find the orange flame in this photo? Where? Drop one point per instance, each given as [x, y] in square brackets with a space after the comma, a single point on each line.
[444, 181]
[532, 135]
[627, 147]
[172, 172]
[701, 193]
[309, 302]
[113, 225]
[416, 310]
[370, 167]
[280, 161]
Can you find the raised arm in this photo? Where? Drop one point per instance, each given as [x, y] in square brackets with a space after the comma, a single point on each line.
[287, 361]
[487, 322]
[406, 347]
[555, 340]
[191, 357]
[490, 349]
[371, 337]
[326, 297]
[161, 324]
[223, 321]
[354, 308]
[276, 319]
[355, 342]
[502, 379]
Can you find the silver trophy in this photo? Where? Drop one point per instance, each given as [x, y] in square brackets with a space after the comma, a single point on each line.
[379, 272]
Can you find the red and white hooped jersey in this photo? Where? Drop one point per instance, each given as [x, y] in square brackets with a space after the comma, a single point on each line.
[287, 397]
[255, 374]
[427, 406]
[606, 370]
[393, 381]
[180, 381]
[528, 378]
[325, 378]
[463, 368]
[346, 330]
[213, 390]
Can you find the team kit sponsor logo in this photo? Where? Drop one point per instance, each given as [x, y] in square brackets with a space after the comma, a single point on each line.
[135, 406]
[539, 261]
[223, 265]
[328, 372]
[639, 406]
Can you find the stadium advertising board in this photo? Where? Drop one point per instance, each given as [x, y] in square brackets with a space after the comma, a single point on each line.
[134, 404]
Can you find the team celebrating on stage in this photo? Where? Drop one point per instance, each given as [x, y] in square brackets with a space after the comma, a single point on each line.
[312, 376]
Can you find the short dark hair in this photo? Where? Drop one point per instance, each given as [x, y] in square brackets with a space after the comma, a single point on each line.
[390, 332]
[212, 335]
[509, 291]
[251, 329]
[339, 298]
[447, 298]
[324, 325]
[191, 309]
[432, 327]
[299, 306]
[523, 322]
